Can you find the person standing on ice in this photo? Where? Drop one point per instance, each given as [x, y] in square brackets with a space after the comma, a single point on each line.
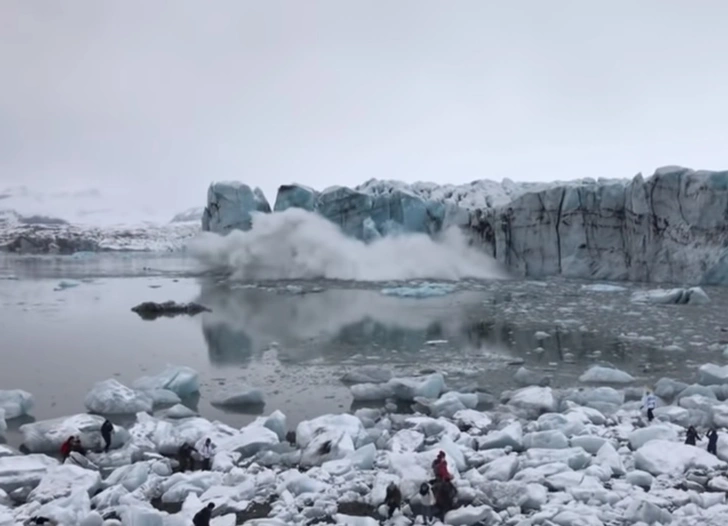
[66, 448]
[691, 436]
[107, 429]
[206, 450]
[712, 441]
[650, 402]
[202, 517]
[393, 500]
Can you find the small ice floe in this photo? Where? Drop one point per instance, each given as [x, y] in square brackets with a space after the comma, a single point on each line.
[688, 296]
[602, 287]
[598, 374]
[239, 396]
[66, 284]
[150, 310]
[423, 290]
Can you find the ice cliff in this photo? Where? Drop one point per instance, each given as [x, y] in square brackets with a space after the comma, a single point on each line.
[229, 207]
[670, 227]
[359, 214]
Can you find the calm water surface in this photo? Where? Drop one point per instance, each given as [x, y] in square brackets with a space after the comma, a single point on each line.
[295, 340]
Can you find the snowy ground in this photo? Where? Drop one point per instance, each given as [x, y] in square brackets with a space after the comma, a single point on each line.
[572, 457]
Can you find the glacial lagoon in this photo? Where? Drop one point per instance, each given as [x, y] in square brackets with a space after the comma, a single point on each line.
[67, 324]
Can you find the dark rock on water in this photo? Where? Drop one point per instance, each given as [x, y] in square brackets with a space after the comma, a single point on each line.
[150, 310]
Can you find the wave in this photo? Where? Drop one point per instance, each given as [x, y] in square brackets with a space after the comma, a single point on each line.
[297, 244]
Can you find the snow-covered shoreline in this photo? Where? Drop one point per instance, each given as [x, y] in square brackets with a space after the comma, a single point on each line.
[570, 457]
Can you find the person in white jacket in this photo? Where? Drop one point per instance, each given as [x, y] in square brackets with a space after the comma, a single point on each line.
[650, 402]
[424, 503]
[206, 450]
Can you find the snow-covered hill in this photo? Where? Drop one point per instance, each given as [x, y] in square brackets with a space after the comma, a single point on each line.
[90, 220]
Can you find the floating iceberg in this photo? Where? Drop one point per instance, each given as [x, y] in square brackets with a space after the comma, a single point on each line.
[111, 397]
[181, 380]
[691, 296]
[15, 403]
[239, 396]
[423, 290]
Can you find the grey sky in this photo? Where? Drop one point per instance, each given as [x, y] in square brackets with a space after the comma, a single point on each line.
[167, 95]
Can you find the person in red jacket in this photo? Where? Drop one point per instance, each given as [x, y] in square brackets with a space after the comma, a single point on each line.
[67, 447]
[441, 471]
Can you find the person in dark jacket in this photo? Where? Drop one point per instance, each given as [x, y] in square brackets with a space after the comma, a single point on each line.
[77, 446]
[712, 441]
[107, 429]
[393, 500]
[691, 436]
[184, 457]
[202, 518]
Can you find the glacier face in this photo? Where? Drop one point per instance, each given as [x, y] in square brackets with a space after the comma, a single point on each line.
[230, 205]
[671, 227]
[362, 215]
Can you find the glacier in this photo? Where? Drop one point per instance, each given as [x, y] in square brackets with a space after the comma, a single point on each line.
[669, 227]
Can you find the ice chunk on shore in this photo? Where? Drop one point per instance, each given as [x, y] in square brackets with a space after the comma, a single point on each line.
[371, 392]
[526, 377]
[61, 481]
[665, 457]
[691, 296]
[533, 400]
[3, 424]
[16, 402]
[239, 396]
[545, 440]
[23, 471]
[711, 374]
[605, 375]
[178, 411]
[423, 290]
[640, 437]
[450, 403]
[251, 439]
[407, 389]
[276, 422]
[182, 380]
[470, 515]
[470, 418]
[510, 436]
[47, 436]
[348, 424]
[111, 397]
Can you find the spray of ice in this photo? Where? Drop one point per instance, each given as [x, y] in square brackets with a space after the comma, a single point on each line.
[296, 244]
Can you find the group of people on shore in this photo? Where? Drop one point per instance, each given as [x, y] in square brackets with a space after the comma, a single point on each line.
[691, 436]
[187, 456]
[435, 498]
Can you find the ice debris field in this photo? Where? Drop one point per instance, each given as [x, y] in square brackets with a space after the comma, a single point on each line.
[537, 456]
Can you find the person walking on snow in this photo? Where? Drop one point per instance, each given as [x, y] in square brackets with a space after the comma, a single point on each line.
[650, 402]
[107, 429]
[691, 436]
[202, 517]
[712, 441]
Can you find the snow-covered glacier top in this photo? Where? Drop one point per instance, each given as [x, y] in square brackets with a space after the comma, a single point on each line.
[483, 193]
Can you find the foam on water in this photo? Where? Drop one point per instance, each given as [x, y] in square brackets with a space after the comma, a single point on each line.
[296, 244]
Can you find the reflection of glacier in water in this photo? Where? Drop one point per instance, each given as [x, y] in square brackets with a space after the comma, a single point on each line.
[355, 325]
[245, 321]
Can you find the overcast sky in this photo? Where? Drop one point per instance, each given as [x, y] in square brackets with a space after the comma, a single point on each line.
[168, 95]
